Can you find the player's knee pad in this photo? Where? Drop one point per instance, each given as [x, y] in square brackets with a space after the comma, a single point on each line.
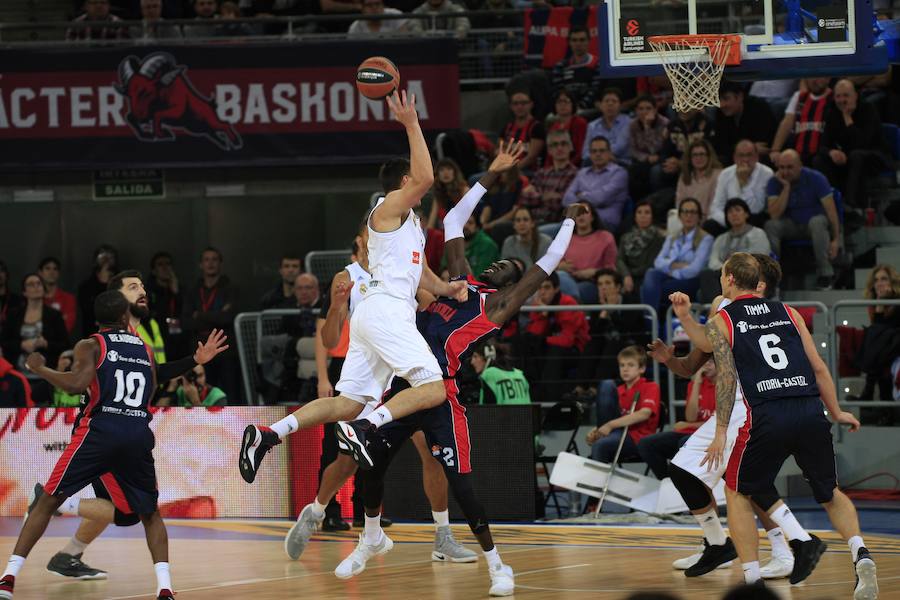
[693, 491]
[765, 500]
[461, 486]
[125, 519]
[373, 488]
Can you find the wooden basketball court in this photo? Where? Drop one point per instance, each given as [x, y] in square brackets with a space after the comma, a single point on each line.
[245, 559]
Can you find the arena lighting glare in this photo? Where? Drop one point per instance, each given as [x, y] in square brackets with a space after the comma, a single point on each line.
[231, 189]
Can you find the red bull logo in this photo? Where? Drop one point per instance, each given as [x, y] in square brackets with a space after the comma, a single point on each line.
[162, 102]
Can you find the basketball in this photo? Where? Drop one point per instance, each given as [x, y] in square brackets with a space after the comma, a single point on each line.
[377, 77]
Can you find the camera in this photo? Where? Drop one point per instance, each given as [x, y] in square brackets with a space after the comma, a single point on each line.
[190, 377]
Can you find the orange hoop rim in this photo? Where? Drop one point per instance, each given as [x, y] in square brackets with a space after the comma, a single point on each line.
[732, 43]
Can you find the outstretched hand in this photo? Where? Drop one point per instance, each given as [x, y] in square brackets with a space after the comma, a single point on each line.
[215, 345]
[507, 156]
[404, 108]
[658, 351]
[35, 361]
[681, 304]
[340, 292]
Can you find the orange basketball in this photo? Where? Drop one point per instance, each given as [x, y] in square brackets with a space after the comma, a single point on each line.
[377, 77]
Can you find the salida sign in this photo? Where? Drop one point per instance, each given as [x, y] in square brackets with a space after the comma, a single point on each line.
[181, 107]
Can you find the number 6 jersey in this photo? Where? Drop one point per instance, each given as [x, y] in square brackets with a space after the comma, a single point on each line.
[768, 352]
[124, 382]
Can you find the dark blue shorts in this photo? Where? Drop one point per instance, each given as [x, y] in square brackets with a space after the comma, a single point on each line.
[116, 459]
[775, 430]
[445, 427]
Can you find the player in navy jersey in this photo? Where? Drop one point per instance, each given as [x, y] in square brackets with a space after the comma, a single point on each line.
[113, 441]
[453, 329]
[784, 383]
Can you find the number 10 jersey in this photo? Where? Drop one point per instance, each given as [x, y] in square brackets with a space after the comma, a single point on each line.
[768, 351]
[124, 383]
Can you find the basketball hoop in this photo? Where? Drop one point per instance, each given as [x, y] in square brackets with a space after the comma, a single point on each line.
[694, 65]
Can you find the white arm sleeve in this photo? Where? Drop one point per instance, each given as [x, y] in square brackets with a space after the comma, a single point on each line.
[549, 261]
[459, 214]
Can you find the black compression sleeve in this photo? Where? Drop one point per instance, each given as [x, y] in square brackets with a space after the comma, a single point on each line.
[176, 368]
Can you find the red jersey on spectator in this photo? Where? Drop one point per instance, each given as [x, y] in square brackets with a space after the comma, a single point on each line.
[434, 246]
[706, 406]
[649, 398]
[568, 329]
[524, 133]
[65, 303]
[15, 391]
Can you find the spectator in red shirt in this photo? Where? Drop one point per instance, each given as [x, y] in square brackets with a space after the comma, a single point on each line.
[15, 391]
[565, 119]
[656, 450]
[526, 129]
[591, 249]
[55, 297]
[641, 422]
[553, 340]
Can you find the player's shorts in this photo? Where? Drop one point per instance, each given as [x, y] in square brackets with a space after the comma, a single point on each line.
[446, 430]
[694, 449]
[120, 458]
[384, 342]
[775, 430]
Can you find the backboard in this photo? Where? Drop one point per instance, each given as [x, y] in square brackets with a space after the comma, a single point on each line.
[781, 39]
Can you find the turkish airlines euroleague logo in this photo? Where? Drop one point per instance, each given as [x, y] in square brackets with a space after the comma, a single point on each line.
[633, 27]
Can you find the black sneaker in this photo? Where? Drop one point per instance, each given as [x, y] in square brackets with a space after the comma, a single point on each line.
[166, 595]
[254, 445]
[806, 557]
[866, 581]
[712, 557]
[335, 524]
[353, 435]
[68, 565]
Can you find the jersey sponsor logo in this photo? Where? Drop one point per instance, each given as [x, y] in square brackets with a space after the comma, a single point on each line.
[112, 356]
[756, 309]
[362, 288]
[744, 326]
[780, 383]
[416, 257]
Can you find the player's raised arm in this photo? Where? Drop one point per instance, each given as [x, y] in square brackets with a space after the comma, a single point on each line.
[726, 386]
[506, 303]
[421, 173]
[454, 242]
[84, 368]
[823, 376]
[337, 310]
[681, 304]
[683, 366]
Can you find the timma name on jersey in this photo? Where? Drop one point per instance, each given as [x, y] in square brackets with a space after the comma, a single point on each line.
[756, 309]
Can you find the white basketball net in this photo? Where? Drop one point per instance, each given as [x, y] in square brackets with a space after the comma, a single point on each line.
[694, 66]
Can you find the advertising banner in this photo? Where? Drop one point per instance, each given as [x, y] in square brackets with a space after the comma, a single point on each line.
[547, 33]
[214, 105]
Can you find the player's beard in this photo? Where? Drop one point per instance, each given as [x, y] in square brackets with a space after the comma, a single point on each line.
[141, 312]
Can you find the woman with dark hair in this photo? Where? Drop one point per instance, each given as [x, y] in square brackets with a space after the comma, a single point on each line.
[677, 266]
[699, 174]
[449, 186]
[638, 248]
[501, 383]
[881, 339]
[647, 134]
[34, 327]
[527, 244]
[564, 118]
[592, 248]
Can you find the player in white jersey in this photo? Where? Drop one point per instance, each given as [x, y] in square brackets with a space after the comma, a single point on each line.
[353, 281]
[695, 481]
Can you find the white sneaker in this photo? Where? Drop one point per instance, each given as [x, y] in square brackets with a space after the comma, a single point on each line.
[778, 567]
[502, 581]
[298, 537]
[355, 564]
[687, 562]
[866, 581]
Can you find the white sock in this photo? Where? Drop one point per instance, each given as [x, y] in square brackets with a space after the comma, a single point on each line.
[493, 558]
[441, 519]
[751, 571]
[380, 416]
[779, 543]
[372, 533]
[318, 508]
[785, 519]
[286, 426]
[855, 543]
[74, 547]
[70, 506]
[712, 527]
[15, 563]
[163, 579]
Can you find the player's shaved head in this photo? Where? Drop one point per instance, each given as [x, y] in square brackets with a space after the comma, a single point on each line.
[111, 308]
